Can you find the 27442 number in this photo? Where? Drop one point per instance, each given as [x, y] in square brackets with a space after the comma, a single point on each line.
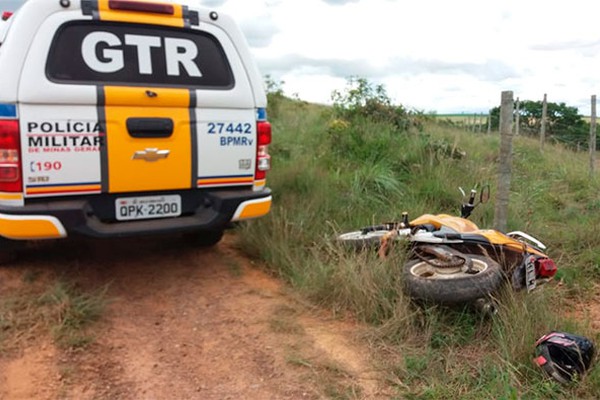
[218, 128]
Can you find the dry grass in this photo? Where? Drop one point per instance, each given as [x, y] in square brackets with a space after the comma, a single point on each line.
[43, 305]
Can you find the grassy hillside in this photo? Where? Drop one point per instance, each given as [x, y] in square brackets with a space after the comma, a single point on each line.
[333, 174]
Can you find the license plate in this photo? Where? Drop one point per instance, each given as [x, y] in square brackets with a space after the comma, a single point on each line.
[530, 273]
[131, 208]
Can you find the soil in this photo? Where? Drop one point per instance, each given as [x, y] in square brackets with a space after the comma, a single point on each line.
[181, 323]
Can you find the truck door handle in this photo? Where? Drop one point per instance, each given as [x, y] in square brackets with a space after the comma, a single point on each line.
[150, 127]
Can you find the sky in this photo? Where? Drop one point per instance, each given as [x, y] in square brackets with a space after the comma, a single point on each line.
[430, 55]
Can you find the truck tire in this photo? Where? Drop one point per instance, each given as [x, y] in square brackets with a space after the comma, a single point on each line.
[9, 250]
[205, 238]
[425, 282]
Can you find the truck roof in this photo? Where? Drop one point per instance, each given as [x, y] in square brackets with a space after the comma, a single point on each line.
[18, 32]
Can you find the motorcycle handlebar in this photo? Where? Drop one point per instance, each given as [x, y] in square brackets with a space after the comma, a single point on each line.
[467, 208]
[472, 197]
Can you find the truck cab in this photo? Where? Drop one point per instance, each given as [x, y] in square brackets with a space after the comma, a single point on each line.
[126, 117]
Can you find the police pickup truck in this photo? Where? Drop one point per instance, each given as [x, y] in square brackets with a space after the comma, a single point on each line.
[128, 117]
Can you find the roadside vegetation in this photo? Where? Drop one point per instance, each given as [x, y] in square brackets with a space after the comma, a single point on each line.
[366, 160]
[60, 310]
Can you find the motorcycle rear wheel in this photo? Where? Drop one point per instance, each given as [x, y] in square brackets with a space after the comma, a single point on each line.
[425, 282]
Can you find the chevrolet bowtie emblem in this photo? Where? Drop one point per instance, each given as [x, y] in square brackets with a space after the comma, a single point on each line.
[151, 154]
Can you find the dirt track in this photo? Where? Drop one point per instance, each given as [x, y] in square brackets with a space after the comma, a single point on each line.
[183, 323]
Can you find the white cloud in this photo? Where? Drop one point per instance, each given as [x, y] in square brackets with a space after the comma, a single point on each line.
[260, 30]
[430, 54]
[433, 55]
[339, 2]
[10, 5]
[213, 3]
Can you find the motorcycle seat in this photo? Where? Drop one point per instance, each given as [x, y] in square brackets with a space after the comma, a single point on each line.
[457, 224]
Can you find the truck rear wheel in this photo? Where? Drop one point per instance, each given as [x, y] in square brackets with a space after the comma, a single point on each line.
[8, 250]
[205, 238]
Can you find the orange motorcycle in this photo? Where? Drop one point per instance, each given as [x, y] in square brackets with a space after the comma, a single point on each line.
[452, 261]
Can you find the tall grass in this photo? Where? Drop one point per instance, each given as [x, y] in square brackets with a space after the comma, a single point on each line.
[331, 175]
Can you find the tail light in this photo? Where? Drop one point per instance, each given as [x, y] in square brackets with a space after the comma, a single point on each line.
[263, 159]
[6, 15]
[142, 6]
[545, 268]
[10, 150]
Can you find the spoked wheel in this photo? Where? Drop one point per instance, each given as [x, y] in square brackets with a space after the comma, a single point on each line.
[361, 240]
[372, 237]
[451, 285]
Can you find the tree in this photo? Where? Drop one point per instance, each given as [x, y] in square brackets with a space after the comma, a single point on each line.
[275, 95]
[564, 124]
[363, 99]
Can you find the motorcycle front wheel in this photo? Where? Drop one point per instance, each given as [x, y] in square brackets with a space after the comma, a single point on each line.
[360, 240]
[423, 281]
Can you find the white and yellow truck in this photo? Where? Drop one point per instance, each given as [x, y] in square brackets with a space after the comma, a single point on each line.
[126, 117]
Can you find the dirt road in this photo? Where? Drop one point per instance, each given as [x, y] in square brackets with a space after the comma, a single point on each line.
[182, 323]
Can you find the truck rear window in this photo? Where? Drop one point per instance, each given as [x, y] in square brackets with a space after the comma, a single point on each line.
[91, 52]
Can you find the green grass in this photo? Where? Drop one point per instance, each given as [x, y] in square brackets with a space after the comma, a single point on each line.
[330, 380]
[70, 311]
[331, 175]
[58, 309]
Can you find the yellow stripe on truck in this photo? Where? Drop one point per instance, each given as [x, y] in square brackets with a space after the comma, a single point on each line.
[12, 199]
[137, 96]
[126, 174]
[253, 209]
[26, 227]
[139, 17]
[11, 196]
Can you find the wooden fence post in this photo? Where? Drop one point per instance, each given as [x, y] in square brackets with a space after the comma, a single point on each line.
[593, 137]
[517, 117]
[504, 170]
[489, 123]
[543, 124]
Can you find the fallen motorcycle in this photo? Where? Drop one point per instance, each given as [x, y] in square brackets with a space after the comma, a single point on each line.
[452, 261]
